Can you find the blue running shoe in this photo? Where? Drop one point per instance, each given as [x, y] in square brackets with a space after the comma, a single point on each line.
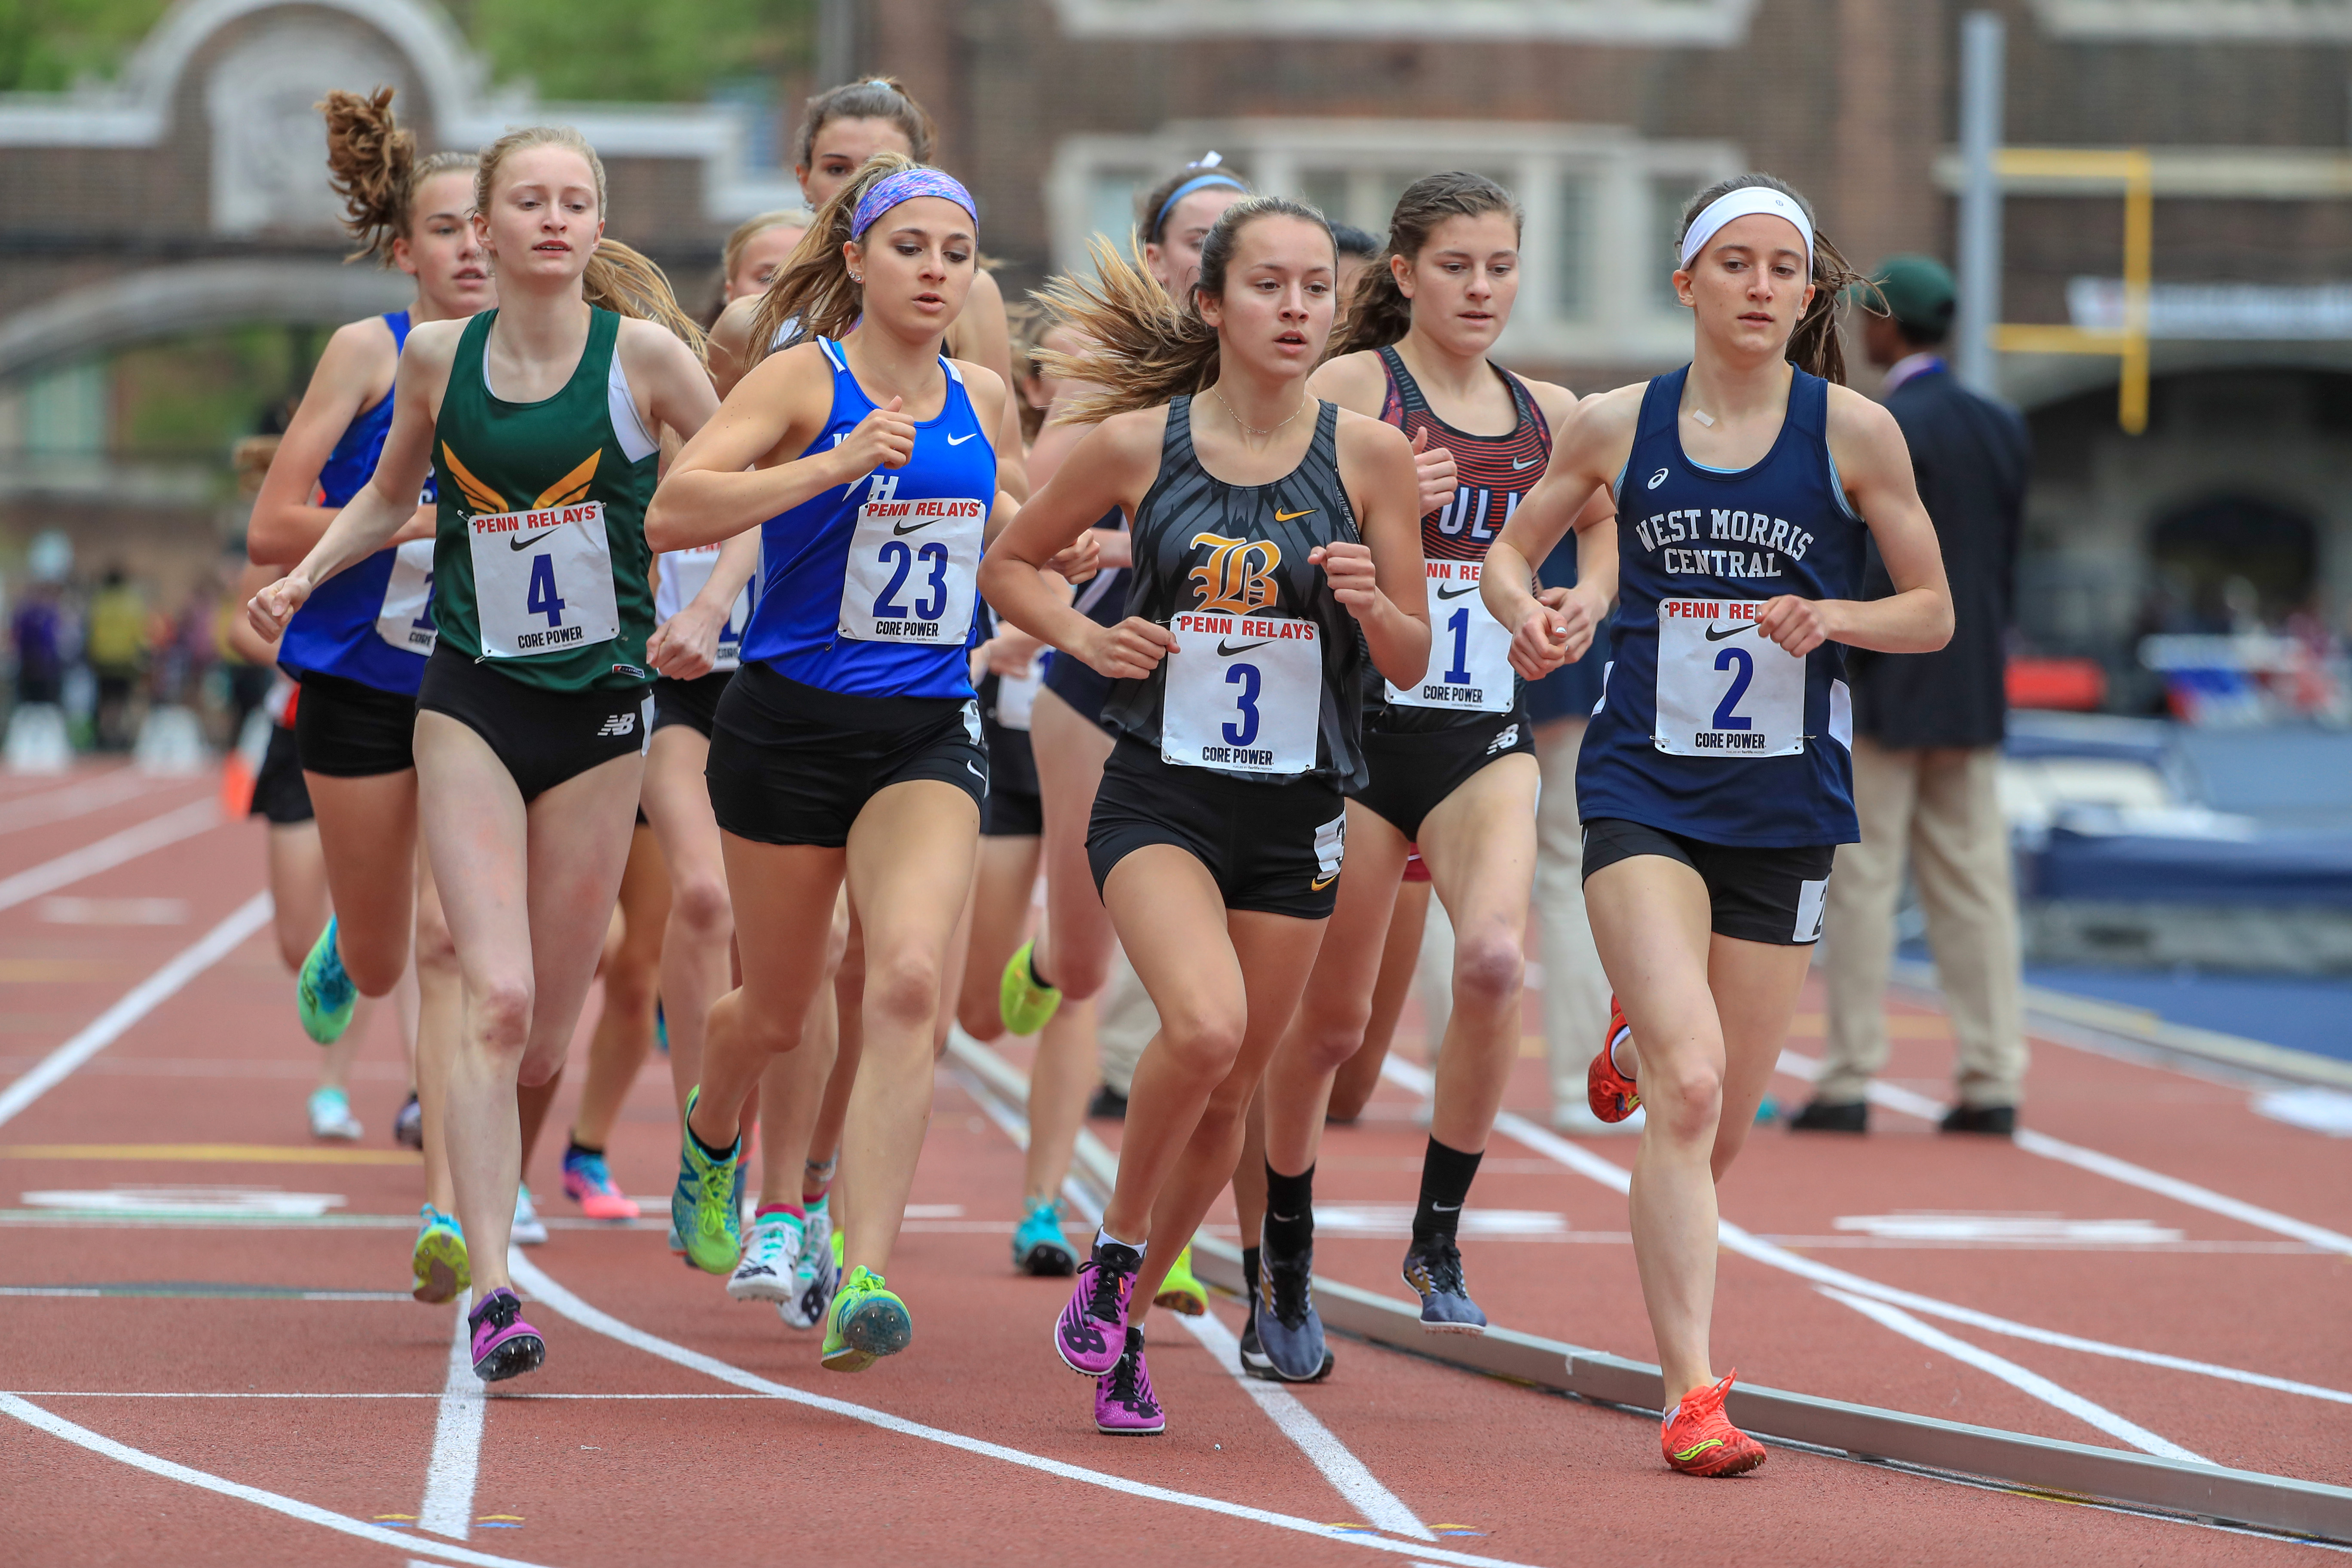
[704, 1213]
[1289, 1331]
[1434, 1268]
[323, 995]
[1038, 1245]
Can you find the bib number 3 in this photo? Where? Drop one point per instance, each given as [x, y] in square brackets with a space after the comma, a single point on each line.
[1244, 693]
[909, 576]
[1725, 690]
[1469, 649]
[543, 581]
[406, 620]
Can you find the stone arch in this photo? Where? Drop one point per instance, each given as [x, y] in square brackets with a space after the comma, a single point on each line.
[159, 301]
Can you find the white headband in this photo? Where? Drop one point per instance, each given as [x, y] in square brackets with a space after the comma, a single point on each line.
[1742, 202]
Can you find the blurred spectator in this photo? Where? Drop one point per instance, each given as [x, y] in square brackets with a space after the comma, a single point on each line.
[1927, 742]
[115, 643]
[36, 635]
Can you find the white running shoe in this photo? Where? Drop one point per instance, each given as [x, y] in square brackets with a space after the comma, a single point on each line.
[815, 1275]
[529, 1230]
[765, 1272]
[330, 1115]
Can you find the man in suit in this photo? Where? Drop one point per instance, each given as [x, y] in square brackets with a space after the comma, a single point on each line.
[1927, 744]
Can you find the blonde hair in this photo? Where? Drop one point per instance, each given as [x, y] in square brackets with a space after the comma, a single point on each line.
[814, 285]
[372, 164]
[619, 278]
[751, 228]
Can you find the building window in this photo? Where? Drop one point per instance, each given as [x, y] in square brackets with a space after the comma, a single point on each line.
[1716, 23]
[1601, 203]
[2248, 21]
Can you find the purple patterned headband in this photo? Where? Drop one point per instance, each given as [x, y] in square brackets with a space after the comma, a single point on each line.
[905, 185]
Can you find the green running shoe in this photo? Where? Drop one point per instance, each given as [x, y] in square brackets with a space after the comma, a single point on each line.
[866, 1323]
[836, 1252]
[1025, 1005]
[1180, 1291]
[703, 1212]
[323, 993]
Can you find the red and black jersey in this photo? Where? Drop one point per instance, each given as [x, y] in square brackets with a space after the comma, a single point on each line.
[1495, 471]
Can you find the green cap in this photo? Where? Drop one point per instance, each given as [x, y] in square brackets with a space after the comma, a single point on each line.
[1917, 290]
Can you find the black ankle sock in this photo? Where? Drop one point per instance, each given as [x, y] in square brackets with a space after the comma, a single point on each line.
[1249, 1270]
[1290, 1210]
[708, 1151]
[577, 1147]
[1446, 1177]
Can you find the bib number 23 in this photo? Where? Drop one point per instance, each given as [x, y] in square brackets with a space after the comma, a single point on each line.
[909, 576]
[544, 581]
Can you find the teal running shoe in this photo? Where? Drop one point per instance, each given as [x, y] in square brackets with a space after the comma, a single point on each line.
[703, 1212]
[1026, 1003]
[866, 1323]
[323, 993]
[1039, 1246]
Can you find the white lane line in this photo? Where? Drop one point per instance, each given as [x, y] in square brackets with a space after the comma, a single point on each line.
[536, 1283]
[1905, 1102]
[2016, 1376]
[142, 999]
[1618, 1179]
[308, 1513]
[74, 800]
[1349, 1474]
[251, 1393]
[449, 1506]
[197, 816]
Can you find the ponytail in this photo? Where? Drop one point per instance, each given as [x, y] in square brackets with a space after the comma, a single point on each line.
[626, 282]
[373, 165]
[814, 287]
[1814, 347]
[1378, 314]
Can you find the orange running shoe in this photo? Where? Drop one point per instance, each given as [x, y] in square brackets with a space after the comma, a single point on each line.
[1610, 1092]
[1698, 1439]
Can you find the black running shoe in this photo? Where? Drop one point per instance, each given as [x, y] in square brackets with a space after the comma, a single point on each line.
[1254, 1360]
[1289, 1331]
[1434, 1268]
[1993, 1120]
[1822, 1116]
[408, 1127]
[1108, 1105]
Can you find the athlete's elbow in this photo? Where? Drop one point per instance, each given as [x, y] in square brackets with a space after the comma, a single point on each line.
[665, 527]
[1940, 625]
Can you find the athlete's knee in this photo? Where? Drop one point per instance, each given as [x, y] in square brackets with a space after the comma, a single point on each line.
[500, 1011]
[1202, 1037]
[374, 967]
[630, 988]
[436, 950]
[1689, 1098]
[699, 905]
[1328, 1037]
[902, 987]
[1488, 972]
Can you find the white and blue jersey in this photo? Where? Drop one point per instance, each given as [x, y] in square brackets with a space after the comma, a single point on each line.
[869, 589]
[1705, 728]
[373, 622]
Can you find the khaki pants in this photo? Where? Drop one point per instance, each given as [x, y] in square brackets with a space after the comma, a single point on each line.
[1940, 806]
[1575, 989]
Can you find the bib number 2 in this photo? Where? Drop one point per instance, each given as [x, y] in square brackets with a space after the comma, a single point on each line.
[543, 581]
[1244, 693]
[1723, 688]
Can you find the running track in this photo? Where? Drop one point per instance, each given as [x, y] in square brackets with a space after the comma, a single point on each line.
[262, 1391]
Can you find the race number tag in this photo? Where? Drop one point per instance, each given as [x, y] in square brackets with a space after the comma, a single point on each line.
[1469, 650]
[685, 573]
[406, 621]
[543, 581]
[1016, 695]
[1243, 693]
[1725, 690]
[909, 576]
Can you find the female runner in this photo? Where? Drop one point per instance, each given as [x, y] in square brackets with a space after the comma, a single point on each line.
[1274, 548]
[1049, 986]
[1715, 780]
[538, 420]
[848, 743]
[359, 646]
[1450, 758]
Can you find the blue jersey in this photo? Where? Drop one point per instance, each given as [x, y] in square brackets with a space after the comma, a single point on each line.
[372, 622]
[1705, 728]
[869, 589]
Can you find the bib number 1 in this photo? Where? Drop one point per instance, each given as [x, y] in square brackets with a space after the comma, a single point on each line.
[1725, 690]
[543, 581]
[1469, 649]
[1244, 693]
[406, 619]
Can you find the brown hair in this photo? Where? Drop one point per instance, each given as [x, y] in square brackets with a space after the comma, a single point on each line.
[1151, 222]
[873, 97]
[1027, 324]
[1378, 314]
[372, 164]
[619, 278]
[814, 285]
[1143, 348]
[1813, 347]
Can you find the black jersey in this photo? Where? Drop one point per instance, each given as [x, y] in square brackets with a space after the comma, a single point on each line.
[1224, 566]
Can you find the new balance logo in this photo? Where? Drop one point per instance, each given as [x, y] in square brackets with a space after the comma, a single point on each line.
[619, 724]
[1505, 739]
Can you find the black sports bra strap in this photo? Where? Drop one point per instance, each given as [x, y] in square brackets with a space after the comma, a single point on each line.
[1400, 381]
[1176, 441]
[1325, 448]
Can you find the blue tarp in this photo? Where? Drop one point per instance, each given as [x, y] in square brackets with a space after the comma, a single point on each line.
[2277, 868]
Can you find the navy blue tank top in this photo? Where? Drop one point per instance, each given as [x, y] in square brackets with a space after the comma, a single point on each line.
[868, 591]
[373, 622]
[1705, 728]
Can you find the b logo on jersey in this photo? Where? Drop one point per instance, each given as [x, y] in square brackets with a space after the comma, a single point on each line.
[482, 498]
[1238, 574]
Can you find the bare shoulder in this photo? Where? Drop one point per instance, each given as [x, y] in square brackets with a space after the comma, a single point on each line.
[1354, 382]
[1133, 438]
[985, 294]
[732, 330]
[365, 342]
[986, 385]
[432, 347]
[1370, 438]
[651, 343]
[1853, 417]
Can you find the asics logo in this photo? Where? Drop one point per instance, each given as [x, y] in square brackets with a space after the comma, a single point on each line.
[1713, 635]
[1445, 592]
[1657, 479]
[960, 440]
[620, 724]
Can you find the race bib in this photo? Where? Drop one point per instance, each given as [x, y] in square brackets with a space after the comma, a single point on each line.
[543, 581]
[1244, 693]
[684, 574]
[909, 577]
[1016, 695]
[1469, 650]
[406, 621]
[1725, 690]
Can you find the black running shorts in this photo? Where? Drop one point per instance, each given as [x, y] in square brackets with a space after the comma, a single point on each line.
[1013, 809]
[694, 702]
[1411, 773]
[279, 793]
[347, 730]
[1757, 895]
[543, 738]
[795, 765]
[1272, 848]
[1075, 682]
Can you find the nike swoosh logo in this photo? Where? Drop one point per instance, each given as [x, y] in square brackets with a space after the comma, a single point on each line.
[1287, 516]
[534, 538]
[1713, 635]
[960, 440]
[1445, 1208]
[906, 528]
[1445, 592]
[1318, 886]
[1228, 649]
[976, 773]
[1531, 463]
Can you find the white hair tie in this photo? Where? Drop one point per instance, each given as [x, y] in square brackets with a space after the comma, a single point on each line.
[1745, 202]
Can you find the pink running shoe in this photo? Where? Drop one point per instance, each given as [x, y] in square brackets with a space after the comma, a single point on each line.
[1125, 1405]
[504, 1345]
[587, 1182]
[1091, 1334]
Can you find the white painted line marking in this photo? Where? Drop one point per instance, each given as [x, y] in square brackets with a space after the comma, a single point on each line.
[449, 1506]
[92, 795]
[1618, 1179]
[1909, 1104]
[544, 1291]
[153, 834]
[142, 999]
[249, 1394]
[208, 1203]
[1967, 1224]
[2016, 1376]
[308, 1513]
[2327, 1111]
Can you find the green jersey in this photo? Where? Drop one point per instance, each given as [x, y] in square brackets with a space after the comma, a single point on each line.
[540, 563]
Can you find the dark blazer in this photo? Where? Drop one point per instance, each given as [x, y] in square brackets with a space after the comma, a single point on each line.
[1971, 456]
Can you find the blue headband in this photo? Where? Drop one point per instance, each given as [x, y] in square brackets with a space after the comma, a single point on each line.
[1197, 183]
[905, 185]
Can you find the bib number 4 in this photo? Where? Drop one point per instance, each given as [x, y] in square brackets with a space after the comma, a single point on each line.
[1723, 688]
[1244, 693]
[543, 581]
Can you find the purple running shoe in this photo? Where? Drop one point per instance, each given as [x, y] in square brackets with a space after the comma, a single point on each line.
[504, 1345]
[1125, 1405]
[1091, 1334]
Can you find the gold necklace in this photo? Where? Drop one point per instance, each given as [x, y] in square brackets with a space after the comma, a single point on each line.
[1251, 429]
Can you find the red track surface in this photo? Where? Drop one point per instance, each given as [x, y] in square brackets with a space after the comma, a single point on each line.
[717, 1474]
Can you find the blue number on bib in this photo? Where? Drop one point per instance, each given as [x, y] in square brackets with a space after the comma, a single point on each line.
[1245, 676]
[1725, 719]
[1458, 623]
[933, 608]
[544, 600]
[886, 602]
[424, 616]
